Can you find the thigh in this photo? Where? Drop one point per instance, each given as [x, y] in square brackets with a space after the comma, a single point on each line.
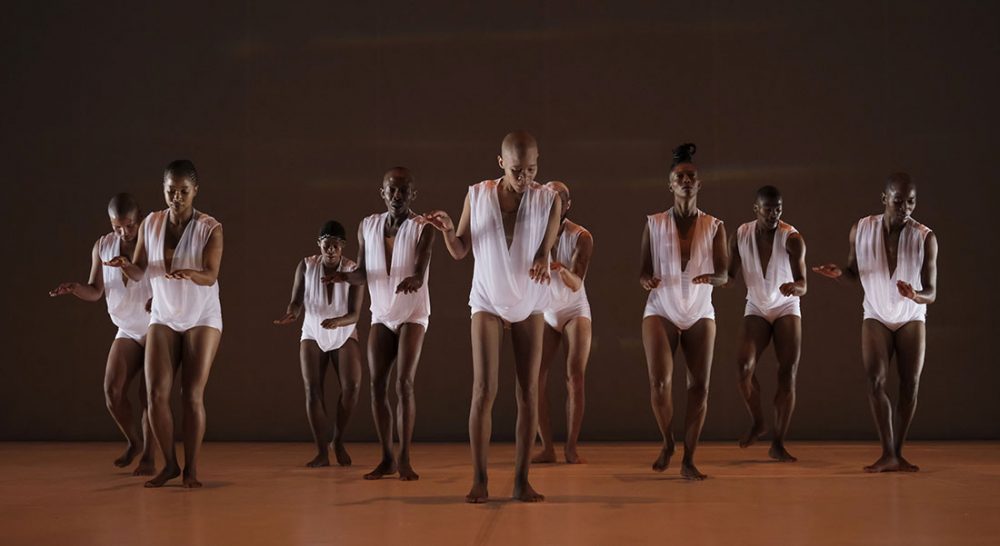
[348, 363]
[578, 334]
[660, 339]
[787, 341]
[200, 346]
[411, 342]
[551, 341]
[164, 348]
[698, 344]
[755, 334]
[382, 347]
[876, 348]
[125, 361]
[313, 362]
[526, 337]
[487, 334]
[910, 344]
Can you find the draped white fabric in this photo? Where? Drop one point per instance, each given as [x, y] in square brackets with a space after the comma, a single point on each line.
[562, 295]
[319, 305]
[126, 302]
[882, 299]
[762, 289]
[387, 306]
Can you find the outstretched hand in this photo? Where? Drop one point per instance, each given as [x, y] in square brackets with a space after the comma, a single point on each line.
[335, 322]
[649, 283]
[118, 261]
[181, 274]
[64, 288]
[287, 318]
[831, 271]
[703, 279]
[787, 289]
[906, 290]
[410, 284]
[539, 271]
[439, 219]
[336, 276]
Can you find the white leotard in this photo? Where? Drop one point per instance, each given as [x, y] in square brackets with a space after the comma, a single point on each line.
[500, 282]
[677, 299]
[763, 297]
[181, 304]
[389, 308]
[319, 307]
[882, 299]
[126, 302]
[565, 304]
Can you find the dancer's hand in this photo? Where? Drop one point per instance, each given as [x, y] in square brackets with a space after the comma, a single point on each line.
[703, 279]
[118, 261]
[149, 305]
[787, 289]
[556, 266]
[335, 322]
[649, 283]
[181, 274]
[336, 276]
[287, 318]
[831, 271]
[64, 288]
[906, 290]
[439, 219]
[539, 271]
[410, 284]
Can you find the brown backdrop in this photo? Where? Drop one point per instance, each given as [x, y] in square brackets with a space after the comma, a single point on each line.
[293, 114]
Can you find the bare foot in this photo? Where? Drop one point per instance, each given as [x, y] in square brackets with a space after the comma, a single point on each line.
[321, 459]
[169, 472]
[478, 494]
[146, 467]
[190, 480]
[340, 452]
[572, 457]
[384, 468]
[887, 463]
[406, 472]
[690, 472]
[525, 493]
[756, 431]
[544, 456]
[907, 466]
[780, 454]
[663, 461]
[131, 451]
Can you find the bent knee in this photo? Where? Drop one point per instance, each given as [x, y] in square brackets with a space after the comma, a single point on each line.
[575, 382]
[698, 390]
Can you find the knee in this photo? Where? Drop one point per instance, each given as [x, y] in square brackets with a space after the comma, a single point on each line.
[314, 394]
[786, 381]
[483, 396]
[350, 390]
[193, 398]
[908, 387]
[158, 396]
[574, 383]
[876, 384]
[698, 390]
[746, 368]
[404, 388]
[114, 394]
[659, 388]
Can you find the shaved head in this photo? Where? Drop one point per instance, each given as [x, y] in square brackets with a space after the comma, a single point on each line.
[401, 174]
[900, 182]
[123, 205]
[563, 191]
[518, 144]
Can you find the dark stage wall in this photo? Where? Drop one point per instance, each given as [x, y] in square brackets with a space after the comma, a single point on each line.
[292, 114]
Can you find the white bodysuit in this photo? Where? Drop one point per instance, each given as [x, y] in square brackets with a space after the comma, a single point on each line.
[763, 297]
[882, 299]
[389, 308]
[500, 282]
[565, 304]
[180, 304]
[677, 299]
[319, 306]
[126, 302]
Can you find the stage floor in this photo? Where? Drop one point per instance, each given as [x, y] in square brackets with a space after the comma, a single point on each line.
[70, 494]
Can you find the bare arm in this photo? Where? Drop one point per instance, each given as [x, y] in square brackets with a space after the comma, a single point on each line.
[355, 298]
[94, 289]
[849, 271]
[359, 276]
[720, 261]
[928, 275]
[457, 240]
[135, 267]
[796, 248]
[424, 246]
[539, 271]
[294, 309]
[646, 278]
[211, 263]
[574, 275]
[735, 260]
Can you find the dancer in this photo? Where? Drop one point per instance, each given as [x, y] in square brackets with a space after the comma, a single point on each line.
[510, 224]
[128, 308]
[772, 257]
[180, 251]
[684, 255]
[329, 335]
[567, 317]
[895, 258]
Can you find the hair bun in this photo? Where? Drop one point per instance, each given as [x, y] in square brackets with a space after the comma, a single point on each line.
[684, 153]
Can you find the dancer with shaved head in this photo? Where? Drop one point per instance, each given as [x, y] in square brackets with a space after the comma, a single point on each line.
[128, 307]
[394, 256]
[895, 258]
[567, 318]
[510, 224]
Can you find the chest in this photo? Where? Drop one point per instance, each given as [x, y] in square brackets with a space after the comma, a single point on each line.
[509, 207]
[764, 241]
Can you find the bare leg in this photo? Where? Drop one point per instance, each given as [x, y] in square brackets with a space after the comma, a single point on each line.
[876, 351]
[200, 345]
[411, 341]
[147, 460]
[124, 363]
[698, 343]
[578, 335]
[487, 332]
[755, 334]
[314, 362]
[163, 356]
[659, 339]
[348, 370]
[787, 347]
[910, 341]
[382, 347]
[551, 340]
[527, 340]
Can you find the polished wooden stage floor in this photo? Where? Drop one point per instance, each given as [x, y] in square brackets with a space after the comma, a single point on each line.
[70, 494]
